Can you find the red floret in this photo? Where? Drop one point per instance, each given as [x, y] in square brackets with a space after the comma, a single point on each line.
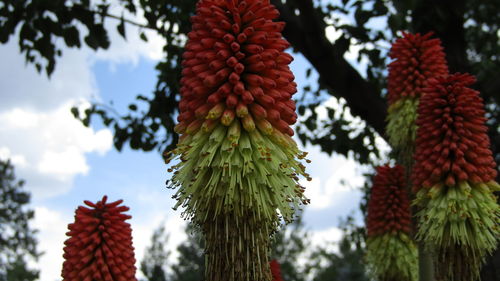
[452, 144]
[388, 208]
[100, 244]
[417, 58]
[235, 59]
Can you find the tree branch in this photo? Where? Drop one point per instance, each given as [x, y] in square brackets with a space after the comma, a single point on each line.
[129, 21]
[306, 34]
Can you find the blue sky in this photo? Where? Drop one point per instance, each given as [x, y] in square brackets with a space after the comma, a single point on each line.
[65, 163]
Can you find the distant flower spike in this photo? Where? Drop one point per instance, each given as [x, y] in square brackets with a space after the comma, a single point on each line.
[275, 270]
[100, 244]
[416, 60]
[239, 167]
[454, 177]
[391, 254]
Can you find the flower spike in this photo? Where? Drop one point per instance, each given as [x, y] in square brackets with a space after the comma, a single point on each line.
[417, 58]
[391, 254]
[275, 270]
[99, 246]
[236, 165]
[454, 178]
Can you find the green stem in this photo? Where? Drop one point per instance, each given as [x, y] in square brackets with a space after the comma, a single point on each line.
[425, 265]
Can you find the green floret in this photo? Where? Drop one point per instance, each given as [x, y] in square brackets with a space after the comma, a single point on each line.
[392, 257]
[234, 170]
[462, 223]
[401, 127]
[235, 185]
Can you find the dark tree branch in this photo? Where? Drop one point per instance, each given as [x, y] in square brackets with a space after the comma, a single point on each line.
[446, 19]
[306, 34]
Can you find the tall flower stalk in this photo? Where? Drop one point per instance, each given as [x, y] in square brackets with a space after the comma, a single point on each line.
[454, 177]
[391, 254]
[99, 246]
[417, 58]
[236, 166]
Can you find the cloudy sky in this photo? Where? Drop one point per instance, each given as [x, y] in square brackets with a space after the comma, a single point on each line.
[64, 162]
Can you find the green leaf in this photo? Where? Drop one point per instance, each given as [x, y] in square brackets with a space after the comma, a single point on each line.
[75, 112]
[121, 28]
[143, 37]
[91, 41]
[308, 72]
[71, 37]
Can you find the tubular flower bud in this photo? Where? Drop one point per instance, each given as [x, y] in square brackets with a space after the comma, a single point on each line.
[416, 60]
[391, 254]
[275, 270]
[238, 173]
[454, 176]
[100, 244]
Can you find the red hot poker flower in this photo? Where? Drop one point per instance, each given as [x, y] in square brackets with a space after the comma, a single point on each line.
[389, 208]
[100, 244]
[390, 253]
[235, 67]
[418, 58]
[237, 168]
[452, 144]
[275, 270]
[453, 178]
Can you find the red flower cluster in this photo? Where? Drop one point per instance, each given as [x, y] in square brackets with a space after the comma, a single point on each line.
[234, 66]
[275, 270]
[100, 244]
[389, 207]
[452, 144]
[418, 58]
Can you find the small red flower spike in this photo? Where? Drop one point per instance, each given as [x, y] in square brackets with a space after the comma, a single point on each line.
[100, 244]
[390, 254]
[454, 178]
[417, 58]
[275, 270]
[389, 206]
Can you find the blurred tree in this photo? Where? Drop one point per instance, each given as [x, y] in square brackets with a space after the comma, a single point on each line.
[155, 261]
[191, 263]
[290, 244]
[324, 32]
[17, 238]
[345, 264]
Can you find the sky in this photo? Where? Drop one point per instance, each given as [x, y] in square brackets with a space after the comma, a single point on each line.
[64, 163]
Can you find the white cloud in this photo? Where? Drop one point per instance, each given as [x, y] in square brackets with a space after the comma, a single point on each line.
[16, 160]
[50, 147]
[23, 87]
[52, 227]
[335, 180]
[332, 34]
[327, 238]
